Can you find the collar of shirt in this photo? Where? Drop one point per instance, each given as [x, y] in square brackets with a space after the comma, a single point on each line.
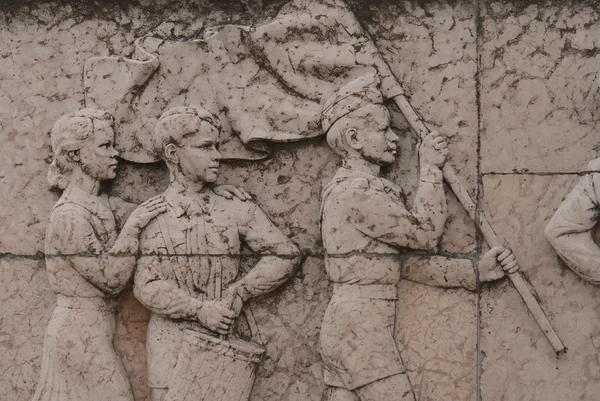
[377, 182]
[188, 206]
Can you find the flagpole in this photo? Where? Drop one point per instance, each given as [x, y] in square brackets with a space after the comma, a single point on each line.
[485, 227]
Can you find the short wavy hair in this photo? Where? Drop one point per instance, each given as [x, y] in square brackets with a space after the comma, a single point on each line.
[177, 123]
[69, 133]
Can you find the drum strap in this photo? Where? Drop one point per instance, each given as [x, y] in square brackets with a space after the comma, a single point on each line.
[252, 323]
[171, 251]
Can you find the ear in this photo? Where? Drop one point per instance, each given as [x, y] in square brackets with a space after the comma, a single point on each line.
[171, 153]
[351, 137]
[74, 156]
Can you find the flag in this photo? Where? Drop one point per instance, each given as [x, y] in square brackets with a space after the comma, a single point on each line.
[265, 83]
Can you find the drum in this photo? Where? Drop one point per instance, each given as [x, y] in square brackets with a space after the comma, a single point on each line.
[214, 369]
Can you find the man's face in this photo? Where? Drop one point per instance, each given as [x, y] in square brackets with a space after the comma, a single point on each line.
[379, 142]
[198, 154]
[98, 158]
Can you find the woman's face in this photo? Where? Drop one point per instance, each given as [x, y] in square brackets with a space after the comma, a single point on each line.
[98, 158]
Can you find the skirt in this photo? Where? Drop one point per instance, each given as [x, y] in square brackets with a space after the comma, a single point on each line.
[79, 362]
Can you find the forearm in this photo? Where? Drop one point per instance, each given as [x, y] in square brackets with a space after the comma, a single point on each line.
[165, 299]
[269, 273]
[110, 271]
[117, 265]
[430, 207]
[442, 272]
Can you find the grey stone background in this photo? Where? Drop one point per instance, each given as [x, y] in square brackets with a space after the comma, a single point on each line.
[511, 83]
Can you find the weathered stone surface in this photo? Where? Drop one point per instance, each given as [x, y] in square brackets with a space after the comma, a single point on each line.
[520, 125]
[539, 93]
[517, 361]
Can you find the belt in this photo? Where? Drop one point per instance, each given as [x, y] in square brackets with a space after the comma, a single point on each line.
[95, 303]
[365, 291]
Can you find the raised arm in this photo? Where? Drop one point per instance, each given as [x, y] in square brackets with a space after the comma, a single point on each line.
[384, 218]
[430, 201]
[73, 237]
[570, 229]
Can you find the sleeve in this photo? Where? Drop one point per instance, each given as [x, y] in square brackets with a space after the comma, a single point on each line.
[159, 294]
[570, 229]
[440, 271]
[73, 237]
[376, 214]
[279, 255]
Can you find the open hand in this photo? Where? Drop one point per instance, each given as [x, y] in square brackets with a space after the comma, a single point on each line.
[229, 191]
[146, 211]
[497, 262]
[433, 150]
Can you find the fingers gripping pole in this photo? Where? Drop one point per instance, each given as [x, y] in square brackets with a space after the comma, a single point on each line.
[484, 225]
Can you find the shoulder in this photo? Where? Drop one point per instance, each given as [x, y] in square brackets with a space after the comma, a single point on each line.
[69, 213]
[234, 207]
[356, 188]
[71, 230]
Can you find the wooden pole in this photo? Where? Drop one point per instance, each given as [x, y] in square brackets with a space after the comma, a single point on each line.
[485, 227]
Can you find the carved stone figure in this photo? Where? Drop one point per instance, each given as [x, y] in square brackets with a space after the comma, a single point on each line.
[365, 224]
[88, 263]
[188, 274]
[573, 229]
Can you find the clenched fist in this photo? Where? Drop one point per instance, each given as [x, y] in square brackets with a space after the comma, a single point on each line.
[433, 150]
[215, 316]
[497, 262]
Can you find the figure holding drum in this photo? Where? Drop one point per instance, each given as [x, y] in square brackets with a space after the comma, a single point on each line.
[188, 271]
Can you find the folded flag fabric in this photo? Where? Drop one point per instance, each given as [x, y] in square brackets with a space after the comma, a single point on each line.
[265, 83]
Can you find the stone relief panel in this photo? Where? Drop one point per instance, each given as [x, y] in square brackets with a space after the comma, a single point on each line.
[539, 122]
[517, 363]
[432, 50]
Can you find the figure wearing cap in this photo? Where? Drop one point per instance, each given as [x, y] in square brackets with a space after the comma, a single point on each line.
[188, 271]
[365, 224]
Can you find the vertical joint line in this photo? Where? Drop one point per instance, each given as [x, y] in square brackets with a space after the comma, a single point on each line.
[479, 189]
